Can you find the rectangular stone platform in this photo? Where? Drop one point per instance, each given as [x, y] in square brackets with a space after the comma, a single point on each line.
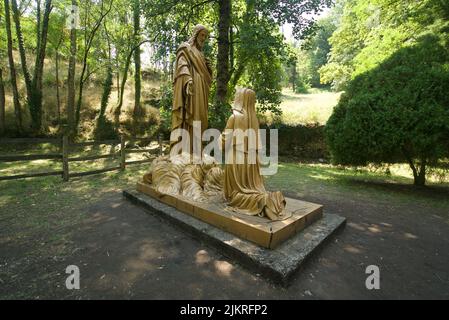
[262, 231]
[278, 265]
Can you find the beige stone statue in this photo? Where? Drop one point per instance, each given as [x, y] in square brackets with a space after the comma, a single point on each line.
[243, 185]
[240, 185]
[177, 175]
[192, 81]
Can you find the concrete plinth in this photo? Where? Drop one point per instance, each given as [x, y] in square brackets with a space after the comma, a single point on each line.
[278, 264]
[262, 231]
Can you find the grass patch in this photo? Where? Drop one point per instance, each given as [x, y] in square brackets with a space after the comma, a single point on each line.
[338, 183]
[313, 107]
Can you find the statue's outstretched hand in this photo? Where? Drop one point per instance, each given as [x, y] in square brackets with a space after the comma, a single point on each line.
[189, 88]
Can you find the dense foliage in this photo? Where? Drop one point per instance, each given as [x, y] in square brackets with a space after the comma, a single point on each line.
[109, 40]
[371, 30]
[397, 111]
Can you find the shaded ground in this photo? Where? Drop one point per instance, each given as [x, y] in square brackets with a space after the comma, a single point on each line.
[123, 252]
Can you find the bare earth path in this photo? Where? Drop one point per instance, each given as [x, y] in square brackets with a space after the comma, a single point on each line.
[125, 253]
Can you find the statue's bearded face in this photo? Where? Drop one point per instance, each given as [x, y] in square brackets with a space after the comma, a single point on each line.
[201, 38]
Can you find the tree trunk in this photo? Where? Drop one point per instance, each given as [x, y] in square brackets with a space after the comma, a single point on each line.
[231, 50]
[419, 176]
[88, 40]
[137, 63]
[12, 69]
[118, 83]
[2, 104]
[71, 80]
[118, 108]
[58, 100]
[39, 69]
[294, 76]
[40, 57]
[34, 86]
[79, 100]
[108, 83]
[19, 34]
[38, 24]
[58, 97]
[224, 21]
[107, 88]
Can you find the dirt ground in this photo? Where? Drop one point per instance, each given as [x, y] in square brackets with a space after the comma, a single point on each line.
[125, 253]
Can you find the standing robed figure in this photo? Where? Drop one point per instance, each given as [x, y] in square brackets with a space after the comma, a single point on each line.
[192, 80]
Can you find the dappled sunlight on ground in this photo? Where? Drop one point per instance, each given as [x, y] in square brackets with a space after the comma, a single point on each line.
[374, 229]
[356, 226]
[202, 257]
[408, 235]
[352, 249]
[223, 268]
[125, 253]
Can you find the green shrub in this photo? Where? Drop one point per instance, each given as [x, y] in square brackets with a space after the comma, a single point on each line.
[301, 141]
[396, 112]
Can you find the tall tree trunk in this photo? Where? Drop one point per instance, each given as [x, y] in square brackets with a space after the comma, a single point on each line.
[231, 50]
[58, 100]
[108, 83]
[294, 76]
[117, 67]
[19, 34]
[40, 57]
[38, 24]
[71, 79]
[58, 96]
[2, 103]
[12, 69]
[34, 85]
[39, 68]
[88, 39]
[79, 100]
[107, 88]
[223, 73]
[118, 108]
[137, 63]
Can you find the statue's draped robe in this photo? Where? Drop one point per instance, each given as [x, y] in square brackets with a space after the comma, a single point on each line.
[190, 66]
[243, 185]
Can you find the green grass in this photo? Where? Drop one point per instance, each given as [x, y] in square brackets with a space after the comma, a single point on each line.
[338, 183]
[29, 207]
[313, 107]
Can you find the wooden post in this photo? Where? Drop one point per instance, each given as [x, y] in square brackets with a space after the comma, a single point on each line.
[122, 153]
[160, 144]
[65, 158]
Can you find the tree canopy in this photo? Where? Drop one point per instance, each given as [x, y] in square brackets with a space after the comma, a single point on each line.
[371, 30]
[246, 46]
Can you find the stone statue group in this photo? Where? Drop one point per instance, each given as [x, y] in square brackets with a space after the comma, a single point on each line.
[239, 184]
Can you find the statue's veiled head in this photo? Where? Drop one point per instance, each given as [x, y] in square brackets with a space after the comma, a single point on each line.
[244, 99]
[199, 36]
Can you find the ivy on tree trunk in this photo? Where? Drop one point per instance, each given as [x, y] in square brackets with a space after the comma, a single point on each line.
[223, 74]
[12, 69]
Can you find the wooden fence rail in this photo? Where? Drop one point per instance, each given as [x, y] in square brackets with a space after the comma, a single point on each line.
[64, 156]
